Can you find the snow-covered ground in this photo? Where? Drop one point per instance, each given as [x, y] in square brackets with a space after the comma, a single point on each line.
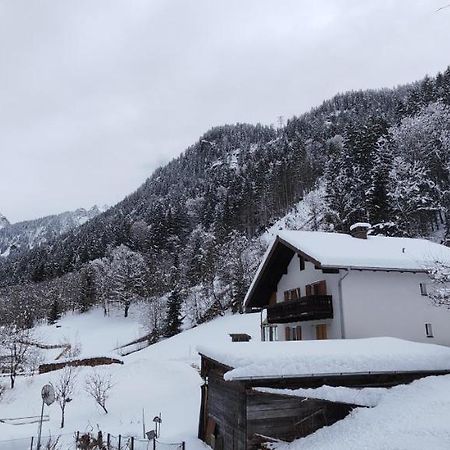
[164, 379]
[160, 379]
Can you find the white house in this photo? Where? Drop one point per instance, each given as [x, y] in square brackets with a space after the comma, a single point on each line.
[316, 285]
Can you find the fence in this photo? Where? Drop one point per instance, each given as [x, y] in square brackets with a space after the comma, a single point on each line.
[111, 442]
[30, 443]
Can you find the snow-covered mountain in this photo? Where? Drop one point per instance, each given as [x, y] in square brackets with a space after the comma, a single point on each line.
[4, 222]
[32, 233]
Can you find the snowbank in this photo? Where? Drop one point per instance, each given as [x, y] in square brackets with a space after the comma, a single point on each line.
[354, 396]
[290, 359]
[411, 417]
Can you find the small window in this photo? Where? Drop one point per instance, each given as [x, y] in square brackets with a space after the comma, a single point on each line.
[423, 289]
[429, 330]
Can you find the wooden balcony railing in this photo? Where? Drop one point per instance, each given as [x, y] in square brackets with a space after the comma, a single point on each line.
[311, 307]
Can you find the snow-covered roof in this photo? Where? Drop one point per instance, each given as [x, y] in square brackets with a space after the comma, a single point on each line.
[343, 251]
[271, 360]
[360, 225]
[375, 252]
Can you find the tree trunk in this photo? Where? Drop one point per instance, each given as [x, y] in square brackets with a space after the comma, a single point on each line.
[127, 307]
[62, 415]
[12, 377]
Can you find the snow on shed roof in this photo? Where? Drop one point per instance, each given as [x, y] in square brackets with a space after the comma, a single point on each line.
[271, 360]
[377, 252]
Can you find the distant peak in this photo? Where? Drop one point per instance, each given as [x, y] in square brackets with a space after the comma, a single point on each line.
[4, 222]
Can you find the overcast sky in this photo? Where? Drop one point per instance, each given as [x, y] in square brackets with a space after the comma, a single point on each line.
[95, 94]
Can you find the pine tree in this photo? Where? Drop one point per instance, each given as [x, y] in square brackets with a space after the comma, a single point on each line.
[87, 296]
[54, 314]
[173, 319]
[379, 210]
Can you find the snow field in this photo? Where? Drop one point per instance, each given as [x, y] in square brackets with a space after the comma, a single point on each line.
[159, 379]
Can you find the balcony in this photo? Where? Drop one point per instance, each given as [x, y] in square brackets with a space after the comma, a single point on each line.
[311, 307]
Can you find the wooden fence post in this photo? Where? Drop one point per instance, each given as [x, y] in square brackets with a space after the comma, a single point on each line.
[77, 438]
[132, 443]
[32, 441]
[120, 441]
[108, 441]
[183, 446]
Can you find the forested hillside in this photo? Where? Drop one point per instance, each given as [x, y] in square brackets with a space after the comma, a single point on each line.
[22, 236]
[186, 242]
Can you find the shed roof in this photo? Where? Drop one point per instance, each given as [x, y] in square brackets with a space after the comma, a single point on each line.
[273, 360]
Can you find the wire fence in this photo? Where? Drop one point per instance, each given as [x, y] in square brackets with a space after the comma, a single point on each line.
[111, 442]
[30, 443]
[83, 441]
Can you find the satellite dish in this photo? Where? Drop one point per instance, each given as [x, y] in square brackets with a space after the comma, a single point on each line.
[48, 394]
[151, 435]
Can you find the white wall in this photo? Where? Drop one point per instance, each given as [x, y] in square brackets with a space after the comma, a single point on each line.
[375, 303]
[296, 278]
[390, 304]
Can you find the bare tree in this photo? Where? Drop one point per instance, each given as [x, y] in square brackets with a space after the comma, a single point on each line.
[98, 386]
[64, 389]
[17, 350]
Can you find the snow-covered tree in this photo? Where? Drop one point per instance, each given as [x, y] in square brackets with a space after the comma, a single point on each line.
[127, 276]
[439, 290]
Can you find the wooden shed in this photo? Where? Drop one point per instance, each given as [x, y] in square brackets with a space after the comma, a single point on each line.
[236, 415]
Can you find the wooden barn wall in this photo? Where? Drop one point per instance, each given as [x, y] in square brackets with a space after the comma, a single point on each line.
[288, 418]
[226, 404]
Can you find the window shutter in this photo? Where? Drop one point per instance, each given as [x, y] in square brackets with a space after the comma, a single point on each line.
[322, 287]
[321, 331]
[298, 330]
[308, 289]
[287, 331]
[297, 294]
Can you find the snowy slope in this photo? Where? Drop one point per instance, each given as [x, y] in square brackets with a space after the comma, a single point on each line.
[162, 378]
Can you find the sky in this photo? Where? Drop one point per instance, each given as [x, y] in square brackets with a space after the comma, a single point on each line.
[96, 94]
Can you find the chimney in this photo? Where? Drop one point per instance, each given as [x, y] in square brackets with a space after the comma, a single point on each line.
[359, 230]
[240, 337]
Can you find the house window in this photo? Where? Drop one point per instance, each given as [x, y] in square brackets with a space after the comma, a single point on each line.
[292, 294]
[423, 289]
[318, 288]
[321, 331]
[293, 333]
[270, 333]
[429, 330]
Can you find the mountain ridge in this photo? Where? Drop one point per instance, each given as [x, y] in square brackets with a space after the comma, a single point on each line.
[28, 234]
